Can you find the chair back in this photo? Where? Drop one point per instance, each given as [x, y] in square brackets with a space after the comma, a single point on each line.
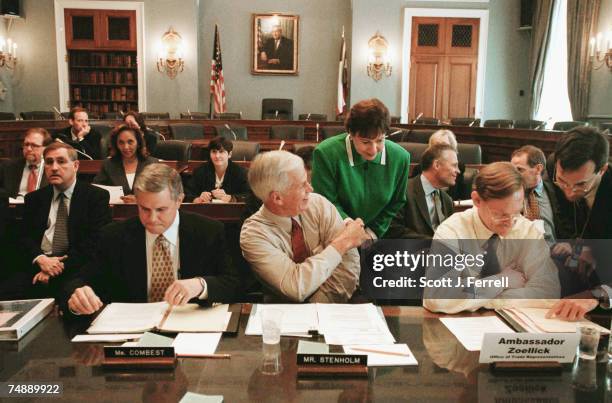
[603, 126]
[499, 123]
[415, 150]
[195, 115]
[330, 131]
[530, 124]
[277, 108]
[7, 116]
[240, 132]
[228, 116]
[38, 115]
[569, 125]
[173, 150]
[419, 135]
[465, 122]
[427, 121]
[112, 116]
[297, 147]
[155, 115]
[186, 131]
[244, 150]
[287, 132]
[469, 153]
[319, 117]
[105, 131]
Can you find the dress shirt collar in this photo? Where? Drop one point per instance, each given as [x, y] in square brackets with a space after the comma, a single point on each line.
[171, 234]
[67, 193]
[428, 188]
[539, 188]
[481, 231]
[282, 222]
[356, 159]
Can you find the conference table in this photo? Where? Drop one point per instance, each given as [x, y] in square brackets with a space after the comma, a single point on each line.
[445, 371]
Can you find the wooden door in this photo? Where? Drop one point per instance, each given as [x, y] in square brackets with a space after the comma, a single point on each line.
[81, 27]
[118, 29]
[443, 66]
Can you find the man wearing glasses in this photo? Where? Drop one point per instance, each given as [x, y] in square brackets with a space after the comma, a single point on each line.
[584, 196]
[25, 174]
[515, 260]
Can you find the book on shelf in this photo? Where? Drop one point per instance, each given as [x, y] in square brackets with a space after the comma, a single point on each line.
[18, 317]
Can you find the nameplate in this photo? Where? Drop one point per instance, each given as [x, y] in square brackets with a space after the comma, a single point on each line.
[528, 347]
[332, 359]
[138, 352]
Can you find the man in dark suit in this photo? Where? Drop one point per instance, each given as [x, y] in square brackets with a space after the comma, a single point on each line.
[428, 205]
[277, 51]
[25, 174]
[80, 135]
[62, 221]
[162, 254]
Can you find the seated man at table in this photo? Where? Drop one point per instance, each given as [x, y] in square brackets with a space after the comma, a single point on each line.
[507, 250]
[25, 174]
[80, 135]
[428, 204]
[297, 243]
[161, 255]
[62, 221]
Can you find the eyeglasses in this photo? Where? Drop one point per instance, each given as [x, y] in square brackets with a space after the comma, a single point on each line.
[582, 187]
[502, 218]
[31, 145]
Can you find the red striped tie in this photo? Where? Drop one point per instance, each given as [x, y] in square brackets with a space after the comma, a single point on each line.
[298, 245]
[32, 178]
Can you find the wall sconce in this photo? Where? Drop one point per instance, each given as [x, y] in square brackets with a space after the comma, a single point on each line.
[8, 53]
[170, 59]
[600, 50]
[378, 60]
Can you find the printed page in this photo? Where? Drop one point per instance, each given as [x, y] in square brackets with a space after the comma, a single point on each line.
[535, 321]
[195, 318]
[116, 193]
[353, 324]
[470, 331]
[128, 318]
[297, 320]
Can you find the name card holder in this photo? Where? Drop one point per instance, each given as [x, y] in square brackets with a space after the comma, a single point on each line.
[323, 365]
[139, 357]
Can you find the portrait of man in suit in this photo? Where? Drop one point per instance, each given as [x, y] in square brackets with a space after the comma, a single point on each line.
[275, 44]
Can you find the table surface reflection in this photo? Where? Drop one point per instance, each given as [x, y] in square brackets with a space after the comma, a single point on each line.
[446, 371]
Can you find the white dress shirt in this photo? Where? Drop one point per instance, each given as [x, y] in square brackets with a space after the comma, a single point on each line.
[130, 179]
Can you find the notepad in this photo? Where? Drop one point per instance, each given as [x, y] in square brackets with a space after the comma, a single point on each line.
[534, 320]
[471, 330]
[115, 192]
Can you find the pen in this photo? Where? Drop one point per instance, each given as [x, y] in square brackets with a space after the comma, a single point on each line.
[204, 355]
[368, 350]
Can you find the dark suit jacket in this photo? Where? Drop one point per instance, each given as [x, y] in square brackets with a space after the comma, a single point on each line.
[458, 192]
[235, 182]
[90, 144]
[89, 212]
[112, 173]
[413, 221]
[284, 53]
[10, 176]
[118, 272]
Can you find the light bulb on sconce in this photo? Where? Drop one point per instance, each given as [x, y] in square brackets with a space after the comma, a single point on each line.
[8, 53]
[600, 50]
[170, 59]
[378, 59]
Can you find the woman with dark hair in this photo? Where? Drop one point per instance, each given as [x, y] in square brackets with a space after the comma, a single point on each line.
[136, 121]
[218, 179]
[129, 156]
[363, 174]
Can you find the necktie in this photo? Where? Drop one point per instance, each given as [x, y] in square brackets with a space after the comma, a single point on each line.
[32, 178]
[532, 209]
[491, 264]
[298, 245]
[163, 274]
[438, 215]
[276, 44]
[60, 233]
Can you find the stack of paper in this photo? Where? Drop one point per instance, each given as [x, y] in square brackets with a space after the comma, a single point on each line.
[353, 324]
[384, 355]
[115, 193]
[470, 331]
[534, 320]
[298, 319]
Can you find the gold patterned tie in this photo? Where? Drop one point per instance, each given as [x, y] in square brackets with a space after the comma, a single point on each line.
[163, 273]
[532, 209]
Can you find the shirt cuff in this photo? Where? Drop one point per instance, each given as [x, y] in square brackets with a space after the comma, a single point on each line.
[371, 233]
[608, 291]
[204, 293]
[38, 257]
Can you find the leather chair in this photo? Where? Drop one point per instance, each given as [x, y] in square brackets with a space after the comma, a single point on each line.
[569, 125]
[396, 119]
[155, 115]
[240, 132]
[398, 135]
[419, 135]
[173, 150]
[277, 108]
[186, 131]
[287, 132]
[415, 150]
[498, 123]
[603, 126]
[228, 115]
[195, 115]
[299, 146]
[469, 153]
[105, 131]
[38, 115]
[427, 121]
[318, 117]
[7, 116]
[330, 131]
[244, 150]
[473, 122]
[112, 116]
[530, 124]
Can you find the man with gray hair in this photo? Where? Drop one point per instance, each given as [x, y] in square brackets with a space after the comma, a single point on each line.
[161, 255]
[297, 243]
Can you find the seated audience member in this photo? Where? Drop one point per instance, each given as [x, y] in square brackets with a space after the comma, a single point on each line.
[297, 243]
[128, 157]
[162, 255]
[62, 221]
[80, 135]
[220, 178]
[305, 153]
[583, 188]
[456, 191]
[539, 194]
[428, 204]
[25, 174]
[136, 121]
[497, 228]
[361, 173]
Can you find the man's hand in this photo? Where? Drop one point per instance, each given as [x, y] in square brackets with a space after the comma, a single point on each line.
[352, 236]
[561, 249]
[205, 197]
[128, 199]
[221, 195]
[41, 277]
[516, 278]
[53, 266]
[572, 309]
[84, 132]
[181, 291]
[84, 301]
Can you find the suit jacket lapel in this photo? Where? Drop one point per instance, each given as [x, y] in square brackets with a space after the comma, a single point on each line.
[421, 202]
[136, 265]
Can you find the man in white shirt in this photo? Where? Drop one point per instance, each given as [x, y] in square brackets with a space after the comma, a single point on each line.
[513, 250]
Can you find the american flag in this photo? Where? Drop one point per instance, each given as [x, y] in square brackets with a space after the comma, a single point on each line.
[217, 83]
[342, 78]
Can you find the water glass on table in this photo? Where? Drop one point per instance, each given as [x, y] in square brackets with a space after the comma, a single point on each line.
[589, 339]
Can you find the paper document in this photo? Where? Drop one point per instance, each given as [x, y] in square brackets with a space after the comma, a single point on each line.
[19, 200]
[194, 318]
[194, 344]
[115, 192]
[470, 331]
[353, 324]
[298, 319]
[6, 316]
[105, 338]
[384, 355]
[128, 318]
[311, 347]
[154, 340]
[191, 397]
[534, 320]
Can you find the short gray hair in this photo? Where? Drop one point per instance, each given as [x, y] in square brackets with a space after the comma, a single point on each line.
[437, 135]
[269, 172]
[155, 178]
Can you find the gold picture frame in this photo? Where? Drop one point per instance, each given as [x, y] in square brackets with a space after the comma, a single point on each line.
[275, 44]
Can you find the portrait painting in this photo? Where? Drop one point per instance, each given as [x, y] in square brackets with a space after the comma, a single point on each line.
[275, 44]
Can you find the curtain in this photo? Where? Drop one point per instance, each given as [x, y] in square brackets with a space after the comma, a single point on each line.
[539, 43]
[581, 24]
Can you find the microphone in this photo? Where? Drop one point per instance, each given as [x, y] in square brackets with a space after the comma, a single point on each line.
[282, 144]
[394, 133]
[189, 113]
[276, 115]
[472, 123]
[232, 131]
[84, 154]
[317, 131]
[543, 124]
[308, 116]
[418, 117]
[61, 117]
[157, 133]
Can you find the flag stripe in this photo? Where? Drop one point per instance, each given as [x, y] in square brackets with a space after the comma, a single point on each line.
[217, 82]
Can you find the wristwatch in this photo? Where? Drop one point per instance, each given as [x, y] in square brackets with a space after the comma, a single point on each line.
[601, 296]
